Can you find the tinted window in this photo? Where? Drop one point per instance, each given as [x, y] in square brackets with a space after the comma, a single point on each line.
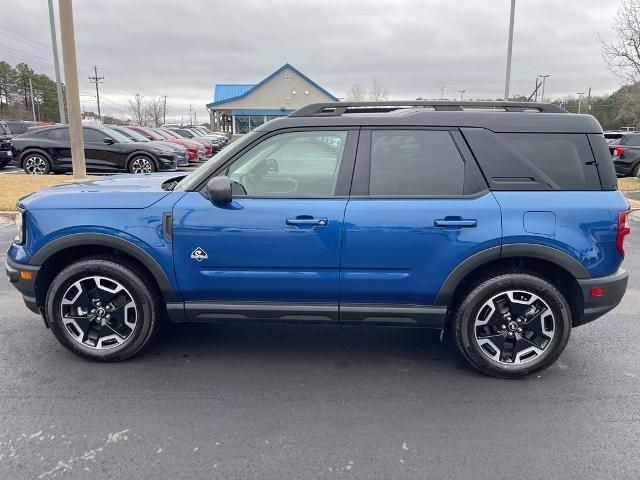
[565, 158]
[297, 164]
[630, 139]
[17, 128]
[58, 134]
[415, 163]
[92, 136]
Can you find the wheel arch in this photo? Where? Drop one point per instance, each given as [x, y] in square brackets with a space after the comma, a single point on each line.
[55, 255]
[558, 267]
[29, 150]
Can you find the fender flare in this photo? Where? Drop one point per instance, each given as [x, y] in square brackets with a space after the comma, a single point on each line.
[105, 240]
[530, 250]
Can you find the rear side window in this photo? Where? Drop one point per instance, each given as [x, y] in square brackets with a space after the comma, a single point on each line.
[564, 158]
[415, 162]
[59, 134]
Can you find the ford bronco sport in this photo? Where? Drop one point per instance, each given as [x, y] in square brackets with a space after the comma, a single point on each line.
[498, 221]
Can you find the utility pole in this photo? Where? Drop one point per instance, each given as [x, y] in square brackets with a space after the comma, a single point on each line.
[544, 78]
[96, 79]
[589, 101]
[442, 88]
[509, 50]
[164, 110]
[190, 117]
[579, 101]
[68, 41]
[56, 63]
[461, 92]
[33, 105]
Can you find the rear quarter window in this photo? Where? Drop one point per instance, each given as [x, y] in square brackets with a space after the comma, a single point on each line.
[565, 158]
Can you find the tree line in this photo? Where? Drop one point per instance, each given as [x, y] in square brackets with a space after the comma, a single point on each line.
[15, 95]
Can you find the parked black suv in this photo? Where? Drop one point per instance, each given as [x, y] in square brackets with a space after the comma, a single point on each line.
[6, 155]
[625, 152]
[48, 150]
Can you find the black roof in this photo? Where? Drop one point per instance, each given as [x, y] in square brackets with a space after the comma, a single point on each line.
[495, 116]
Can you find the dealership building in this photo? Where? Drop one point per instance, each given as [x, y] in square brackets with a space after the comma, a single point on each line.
[239, 108]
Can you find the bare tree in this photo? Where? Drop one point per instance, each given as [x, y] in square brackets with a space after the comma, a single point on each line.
[622, 56]
[356, 93]
[137, 110]
[378, 91]
[154, 109]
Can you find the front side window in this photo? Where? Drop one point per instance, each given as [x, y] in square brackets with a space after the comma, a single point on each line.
[92, 136]
[295, 164]
[415, 162]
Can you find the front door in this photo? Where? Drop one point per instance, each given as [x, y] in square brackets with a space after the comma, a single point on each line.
[273, 253]
[100, 155]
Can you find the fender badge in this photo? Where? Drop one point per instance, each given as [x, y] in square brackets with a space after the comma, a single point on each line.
[199, 254]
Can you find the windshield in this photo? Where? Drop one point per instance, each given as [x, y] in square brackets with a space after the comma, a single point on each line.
[201, 174]
[171, 133]
[117, 136]
[133, 135]
[159, 132]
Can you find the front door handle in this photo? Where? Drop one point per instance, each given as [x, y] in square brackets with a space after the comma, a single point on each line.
[307, 221]
[456, 222]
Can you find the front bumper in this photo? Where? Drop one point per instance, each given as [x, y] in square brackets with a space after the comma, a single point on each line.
[613, 289]
[5, 156]
[26, 286]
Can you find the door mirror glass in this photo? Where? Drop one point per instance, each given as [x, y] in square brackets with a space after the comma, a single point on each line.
[109, 141]
[219, 189]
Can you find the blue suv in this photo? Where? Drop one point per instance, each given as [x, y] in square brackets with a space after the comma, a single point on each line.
[500, 222]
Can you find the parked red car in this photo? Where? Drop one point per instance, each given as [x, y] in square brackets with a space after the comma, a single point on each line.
[192, 147]
[208, 148]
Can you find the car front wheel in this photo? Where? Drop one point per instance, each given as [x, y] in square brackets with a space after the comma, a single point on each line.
[102, 308]
[512, 324]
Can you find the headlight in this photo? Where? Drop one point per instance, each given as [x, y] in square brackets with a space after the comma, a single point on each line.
[19, 238]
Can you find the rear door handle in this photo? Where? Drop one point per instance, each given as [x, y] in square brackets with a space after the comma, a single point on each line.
[456, 222]
[307, 221]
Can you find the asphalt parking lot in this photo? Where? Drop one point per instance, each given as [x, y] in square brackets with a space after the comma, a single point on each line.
[293, 402]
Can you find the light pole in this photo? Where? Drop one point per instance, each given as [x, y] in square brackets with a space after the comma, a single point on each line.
[544, 78]
[580, 94]
[509, 50]
[68, 41]
[56, 63]
[461, 92]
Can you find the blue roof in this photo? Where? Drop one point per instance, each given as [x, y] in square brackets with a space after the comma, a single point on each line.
[225, 91]
[229, 92]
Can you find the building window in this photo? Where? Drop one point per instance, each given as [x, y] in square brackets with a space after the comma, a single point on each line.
[246, 123]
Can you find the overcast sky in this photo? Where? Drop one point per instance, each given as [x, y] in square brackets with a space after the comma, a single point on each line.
[183, 48]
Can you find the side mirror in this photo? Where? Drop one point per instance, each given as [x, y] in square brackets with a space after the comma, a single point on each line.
[108, 140]
[219, 189]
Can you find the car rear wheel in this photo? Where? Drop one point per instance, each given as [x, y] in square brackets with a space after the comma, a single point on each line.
[141, 165]
[636, 171]
[102, 308]
[36, 164]
[512, 324]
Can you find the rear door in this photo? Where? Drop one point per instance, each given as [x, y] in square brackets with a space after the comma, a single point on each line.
[418, 208]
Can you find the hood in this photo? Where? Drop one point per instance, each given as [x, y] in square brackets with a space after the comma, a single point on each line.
[113, 192]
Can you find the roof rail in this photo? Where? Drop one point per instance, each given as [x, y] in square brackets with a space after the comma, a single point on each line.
[335, 109]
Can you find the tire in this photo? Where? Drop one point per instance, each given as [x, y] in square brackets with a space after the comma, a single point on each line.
[496, 343]
[636, 171]
[83, 326]
[141, 164]
[36, 163]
